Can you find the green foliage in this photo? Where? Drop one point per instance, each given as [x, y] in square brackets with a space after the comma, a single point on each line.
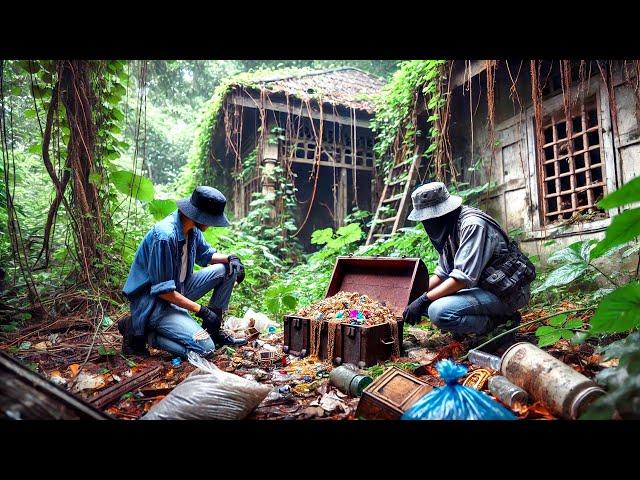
[575, 261]
[137, 186]
[280, 299]
[161, 208]
[396, 102]
[619, 311]
[559, 327]
[628, 193]
[622, 382]
[623, 228]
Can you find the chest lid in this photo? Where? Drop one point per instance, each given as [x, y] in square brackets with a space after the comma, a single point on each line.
[395, 281]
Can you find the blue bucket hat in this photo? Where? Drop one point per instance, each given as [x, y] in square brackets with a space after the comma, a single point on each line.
[205, 206]
[432, 200]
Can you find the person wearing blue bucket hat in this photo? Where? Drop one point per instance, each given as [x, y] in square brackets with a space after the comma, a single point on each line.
[482, 277]
[163, 288]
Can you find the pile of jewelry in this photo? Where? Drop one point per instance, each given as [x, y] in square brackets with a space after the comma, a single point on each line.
[350, 308]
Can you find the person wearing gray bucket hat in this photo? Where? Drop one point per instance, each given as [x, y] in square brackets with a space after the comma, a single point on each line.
[482, 277]
[163, 288]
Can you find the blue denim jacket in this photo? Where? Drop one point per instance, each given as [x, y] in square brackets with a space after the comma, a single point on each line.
[156, 266]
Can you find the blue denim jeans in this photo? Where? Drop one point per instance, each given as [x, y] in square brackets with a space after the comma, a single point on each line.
[467, 311]
[173, 329]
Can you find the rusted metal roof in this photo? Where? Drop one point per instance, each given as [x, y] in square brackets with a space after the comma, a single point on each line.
[347, 86]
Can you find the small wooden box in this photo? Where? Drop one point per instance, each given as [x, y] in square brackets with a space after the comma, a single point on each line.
[390, 395]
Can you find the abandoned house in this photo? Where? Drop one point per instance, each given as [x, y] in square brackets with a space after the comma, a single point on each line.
[550, 138]
[312, 124]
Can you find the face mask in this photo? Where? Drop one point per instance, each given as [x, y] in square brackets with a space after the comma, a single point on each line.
[440, 228]
[202, 227]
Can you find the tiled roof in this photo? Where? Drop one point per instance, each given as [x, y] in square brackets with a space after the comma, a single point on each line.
[347, 86]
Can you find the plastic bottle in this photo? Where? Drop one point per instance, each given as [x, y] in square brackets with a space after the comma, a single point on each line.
[484, 359]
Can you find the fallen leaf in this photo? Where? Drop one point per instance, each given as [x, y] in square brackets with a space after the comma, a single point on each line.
[610, 363]
[74, 369]
[42, 345]
[88, 381]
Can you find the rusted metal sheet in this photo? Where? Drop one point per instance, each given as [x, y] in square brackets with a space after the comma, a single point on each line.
[390, 395]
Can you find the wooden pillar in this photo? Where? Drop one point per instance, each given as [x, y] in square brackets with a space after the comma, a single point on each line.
[342, 198]
[268, 163]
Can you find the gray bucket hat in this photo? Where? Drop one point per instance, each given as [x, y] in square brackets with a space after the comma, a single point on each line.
[432, 200]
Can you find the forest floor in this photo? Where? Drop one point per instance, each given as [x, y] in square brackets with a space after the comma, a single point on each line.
[89, 364]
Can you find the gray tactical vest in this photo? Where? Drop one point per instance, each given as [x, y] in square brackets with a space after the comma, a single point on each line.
[508, 273]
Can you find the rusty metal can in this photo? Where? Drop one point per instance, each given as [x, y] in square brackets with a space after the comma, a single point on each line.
[349, 380]
[506, 392]
[565, 392]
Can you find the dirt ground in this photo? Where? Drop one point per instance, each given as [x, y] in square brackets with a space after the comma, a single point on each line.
[88, 362]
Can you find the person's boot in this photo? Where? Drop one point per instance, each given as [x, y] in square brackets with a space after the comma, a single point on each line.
[218, 335]
[509, 322]
[131, 344]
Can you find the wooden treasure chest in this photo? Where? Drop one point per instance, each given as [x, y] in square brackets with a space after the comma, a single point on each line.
[390, 395]
[394, 282]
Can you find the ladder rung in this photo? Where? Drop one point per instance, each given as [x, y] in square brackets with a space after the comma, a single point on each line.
[386, 220]
[403, 164]
[382, 235]
[398, 181]
[395, 198]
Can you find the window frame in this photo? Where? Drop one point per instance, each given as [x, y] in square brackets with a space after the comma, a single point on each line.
[551, 105]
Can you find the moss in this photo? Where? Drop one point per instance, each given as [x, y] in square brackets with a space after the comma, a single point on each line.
[198, 170]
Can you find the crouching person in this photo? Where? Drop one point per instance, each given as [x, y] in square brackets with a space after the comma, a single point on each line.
[162, 287]
[482, 278]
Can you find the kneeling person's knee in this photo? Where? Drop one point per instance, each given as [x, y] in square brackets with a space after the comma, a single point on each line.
[202, 343]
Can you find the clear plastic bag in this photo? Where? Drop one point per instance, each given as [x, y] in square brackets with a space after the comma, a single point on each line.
[455, 401]
[209, 394]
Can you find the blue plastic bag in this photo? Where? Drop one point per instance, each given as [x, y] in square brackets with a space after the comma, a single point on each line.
[455, 401]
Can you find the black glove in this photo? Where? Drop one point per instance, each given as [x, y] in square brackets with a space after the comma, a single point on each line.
[209, 318]
[413, 313]
[236, 266]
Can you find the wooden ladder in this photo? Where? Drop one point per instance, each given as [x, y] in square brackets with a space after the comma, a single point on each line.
[395, 199]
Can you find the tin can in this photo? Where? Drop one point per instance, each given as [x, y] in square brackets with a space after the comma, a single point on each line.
[349, 380]
[565, 392]
[506, 392]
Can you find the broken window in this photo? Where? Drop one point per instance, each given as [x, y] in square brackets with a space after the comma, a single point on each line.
[571, 168]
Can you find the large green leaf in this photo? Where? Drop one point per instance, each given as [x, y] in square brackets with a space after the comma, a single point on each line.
[619, 311]
[563, 275]
[628, 193]
[549, 339]
[624, 228]
[134, 185]
[319, 237]
[350, 233]
[577, 252]
[161, 208]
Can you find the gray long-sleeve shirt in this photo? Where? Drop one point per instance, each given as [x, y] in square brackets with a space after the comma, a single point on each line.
[479, 242]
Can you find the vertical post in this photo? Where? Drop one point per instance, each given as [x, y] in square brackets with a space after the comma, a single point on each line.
[341, 207]
[268, 162]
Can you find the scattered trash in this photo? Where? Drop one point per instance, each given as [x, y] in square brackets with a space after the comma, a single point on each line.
[42, 345]
[349, 380]
[455, 401]
[88, 381]
[507, 392]
[278, 377]
[176, 362]
[566, 392]
[251, 319]
[349, 306]
[24, 346]
[209, 394]
[477, 378]
[330, 401]
[57, 378]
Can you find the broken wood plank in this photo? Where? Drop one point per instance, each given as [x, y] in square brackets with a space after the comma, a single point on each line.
[26, 395]
[114, 392]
